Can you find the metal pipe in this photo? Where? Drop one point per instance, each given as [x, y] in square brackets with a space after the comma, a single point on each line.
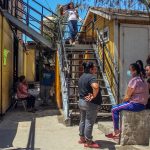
[45, 8]
[42, 21]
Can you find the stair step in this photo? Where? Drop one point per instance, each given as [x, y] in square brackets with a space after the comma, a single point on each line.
[82, 72]
[99, 114]
[79, 46]
[82, 59]
[78, 79]
[105, 95]
[76, 103]
[77, 87]
[76, 71]
[74, 96]
[82, 53]
[78, 50]
[80, 65]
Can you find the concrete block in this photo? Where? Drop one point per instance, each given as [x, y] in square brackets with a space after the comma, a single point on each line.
[135, 128]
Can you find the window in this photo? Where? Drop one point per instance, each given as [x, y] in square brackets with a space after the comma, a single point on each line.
[95, 17]
[105, 34]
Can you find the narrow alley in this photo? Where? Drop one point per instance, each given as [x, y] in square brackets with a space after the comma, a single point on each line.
[43, 130]
[66, 66]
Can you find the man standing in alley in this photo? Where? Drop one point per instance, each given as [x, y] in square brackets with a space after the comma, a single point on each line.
[47, 83]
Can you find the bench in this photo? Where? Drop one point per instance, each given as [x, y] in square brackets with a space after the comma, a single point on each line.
[135, 128]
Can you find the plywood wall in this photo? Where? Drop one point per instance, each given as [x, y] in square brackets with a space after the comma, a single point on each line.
[29, 65]
[6, 70]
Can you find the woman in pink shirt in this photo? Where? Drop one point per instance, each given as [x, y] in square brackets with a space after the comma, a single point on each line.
[135, 99]
[22, 94]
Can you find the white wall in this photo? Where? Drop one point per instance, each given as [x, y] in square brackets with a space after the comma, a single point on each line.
[134, 45]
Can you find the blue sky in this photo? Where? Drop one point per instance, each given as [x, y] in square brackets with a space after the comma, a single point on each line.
[51, 4]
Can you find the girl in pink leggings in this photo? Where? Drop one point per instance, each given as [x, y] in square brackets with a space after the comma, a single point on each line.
[135, 99]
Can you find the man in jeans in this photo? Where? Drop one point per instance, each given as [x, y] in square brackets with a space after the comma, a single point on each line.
[47, 83]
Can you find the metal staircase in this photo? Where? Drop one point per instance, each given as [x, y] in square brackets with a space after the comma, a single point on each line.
[76, 55]
[51, 35]
[32, 21]
[71, 58]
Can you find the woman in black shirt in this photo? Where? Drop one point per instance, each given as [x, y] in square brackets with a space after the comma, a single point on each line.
[89, 99]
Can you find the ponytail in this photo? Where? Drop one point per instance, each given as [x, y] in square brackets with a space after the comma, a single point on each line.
[87, 66]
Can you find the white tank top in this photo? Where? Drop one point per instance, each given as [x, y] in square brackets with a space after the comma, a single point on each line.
[72, 15]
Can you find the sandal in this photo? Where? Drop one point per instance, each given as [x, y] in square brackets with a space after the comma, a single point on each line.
[113, 136]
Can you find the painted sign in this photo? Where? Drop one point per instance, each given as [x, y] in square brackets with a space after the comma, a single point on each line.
[5, 55]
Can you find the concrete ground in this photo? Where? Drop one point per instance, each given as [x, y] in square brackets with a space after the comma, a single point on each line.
[21, 130]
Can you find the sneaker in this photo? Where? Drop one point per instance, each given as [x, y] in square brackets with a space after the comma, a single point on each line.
[92, 145]
[82, 140]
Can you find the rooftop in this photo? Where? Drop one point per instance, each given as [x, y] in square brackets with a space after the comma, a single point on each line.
[110, 13]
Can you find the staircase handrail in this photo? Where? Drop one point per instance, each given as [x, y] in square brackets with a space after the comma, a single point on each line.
[46, 8]
[34, 19]
[64, 70]
[20, 13]
[106, 57]
[66, 65]
[103, 43]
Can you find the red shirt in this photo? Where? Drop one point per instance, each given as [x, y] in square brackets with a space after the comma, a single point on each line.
[22, 90]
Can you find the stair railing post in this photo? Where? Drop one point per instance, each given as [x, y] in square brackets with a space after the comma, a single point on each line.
[103, 49]
[16, 6]
[27, 18]
[10, 10]
[118, 96]
[42, 21]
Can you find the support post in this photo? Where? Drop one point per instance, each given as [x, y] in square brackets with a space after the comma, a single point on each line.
[57, 82]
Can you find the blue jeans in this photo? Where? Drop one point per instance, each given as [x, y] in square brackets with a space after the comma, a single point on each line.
[129, 106]
[88, 114]
[73, 29]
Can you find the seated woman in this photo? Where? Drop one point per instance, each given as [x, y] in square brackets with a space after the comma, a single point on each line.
[22, 94]
[135, 99]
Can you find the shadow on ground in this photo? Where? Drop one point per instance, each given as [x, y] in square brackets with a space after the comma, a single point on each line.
[106, 144]
[10, 122]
